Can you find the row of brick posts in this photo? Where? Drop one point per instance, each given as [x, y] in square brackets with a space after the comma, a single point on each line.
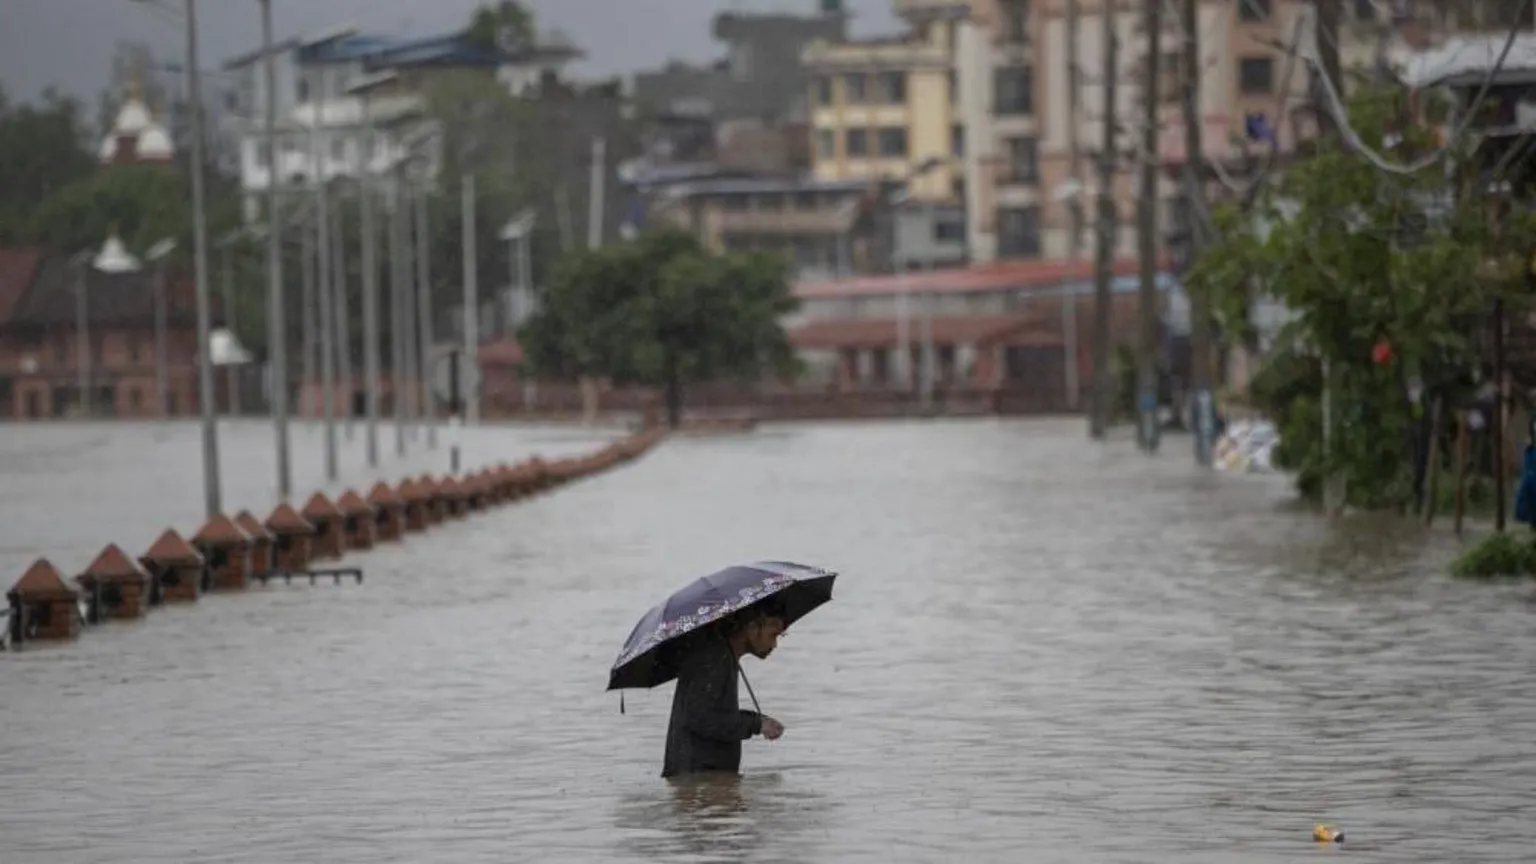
[227, 553]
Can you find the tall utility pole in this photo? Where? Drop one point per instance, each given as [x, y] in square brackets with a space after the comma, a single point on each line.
[1194, 189]
[1327, 12]
[595, 202]
[319, 150]
[1146, 225]
[1103, 382]
[397, 306]
[408, 306]
[211, 492]
[370, 291]
[424, 312]
[471, 354]
[277, 326]
[1074, 144]
[340, 287]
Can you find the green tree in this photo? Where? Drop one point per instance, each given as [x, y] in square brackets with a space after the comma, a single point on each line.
[43, 148]
[508, 25]
[1364, 257]
[662, 311]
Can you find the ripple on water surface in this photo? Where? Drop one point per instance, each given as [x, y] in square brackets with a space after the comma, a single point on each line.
[1040, 650]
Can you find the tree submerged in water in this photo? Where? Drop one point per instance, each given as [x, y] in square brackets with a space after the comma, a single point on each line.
[1389, 277]
[661, 311]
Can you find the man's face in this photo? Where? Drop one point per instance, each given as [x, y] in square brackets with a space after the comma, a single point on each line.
[763, 636]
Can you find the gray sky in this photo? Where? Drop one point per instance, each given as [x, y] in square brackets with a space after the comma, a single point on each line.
[68, 43]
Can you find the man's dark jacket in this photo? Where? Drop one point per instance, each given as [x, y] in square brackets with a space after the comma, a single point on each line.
[707, 725]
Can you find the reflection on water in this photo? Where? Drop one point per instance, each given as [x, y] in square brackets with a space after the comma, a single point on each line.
[723, 817]
[1041, 650]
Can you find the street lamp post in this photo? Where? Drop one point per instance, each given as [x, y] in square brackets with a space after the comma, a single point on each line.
[424, 315]
[211, 492]
[157, 254]
[277, 330]
[396, 219]
[370, 266]
[318, 175]
[519, 236]
[227, 299]
[471, 296]
[83, 381]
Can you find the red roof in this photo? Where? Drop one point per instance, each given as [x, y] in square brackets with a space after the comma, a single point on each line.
[951, 330]
[18, 267]
[42, 582]
[997, 276]
[114, 565]
[172, 549]
[221, 531]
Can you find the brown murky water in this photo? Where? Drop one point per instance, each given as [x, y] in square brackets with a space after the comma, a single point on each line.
[1040, 650]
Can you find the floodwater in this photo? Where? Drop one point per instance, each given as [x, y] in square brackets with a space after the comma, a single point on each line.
[1040, 650]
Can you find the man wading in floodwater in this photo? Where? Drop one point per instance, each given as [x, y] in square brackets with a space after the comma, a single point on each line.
[708, 725]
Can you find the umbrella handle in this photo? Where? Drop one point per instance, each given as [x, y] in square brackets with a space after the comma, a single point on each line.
[743, 674]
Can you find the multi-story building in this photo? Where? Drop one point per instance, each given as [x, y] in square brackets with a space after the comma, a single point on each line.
[85, 336]
[324, 117]
[823, 228]
[1034, 129]
[885, 109]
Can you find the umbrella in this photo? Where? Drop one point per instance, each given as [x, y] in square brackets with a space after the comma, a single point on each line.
[651, 652]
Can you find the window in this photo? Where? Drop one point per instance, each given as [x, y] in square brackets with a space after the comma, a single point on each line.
[263, 151]
[1018, 232]
[892, 87]
[957, 140]
[1256, 76]
[1015, 30]
[826, 143]
[893, 142]
[301, 88]
[1253, 10]
[954, 87]
[338, 149]
[1014, 89]
[1365, 10]
[135, 398]
[854, 89]
[857, 143]
[823, 88]
[949, 229]
[1023, 160]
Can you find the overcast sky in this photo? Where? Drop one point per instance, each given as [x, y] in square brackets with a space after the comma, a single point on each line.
[68, 43]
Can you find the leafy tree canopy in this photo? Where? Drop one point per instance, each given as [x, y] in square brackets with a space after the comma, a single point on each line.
[508, 25]
[662, 311]
[1362, 257]
[43, 148]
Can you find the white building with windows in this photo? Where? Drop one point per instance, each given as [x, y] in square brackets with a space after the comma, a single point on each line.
[345, 105]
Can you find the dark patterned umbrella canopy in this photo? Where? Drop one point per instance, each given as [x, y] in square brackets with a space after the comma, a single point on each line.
[650, 653]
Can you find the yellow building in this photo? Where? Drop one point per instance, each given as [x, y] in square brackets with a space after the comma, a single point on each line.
[888, 108]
